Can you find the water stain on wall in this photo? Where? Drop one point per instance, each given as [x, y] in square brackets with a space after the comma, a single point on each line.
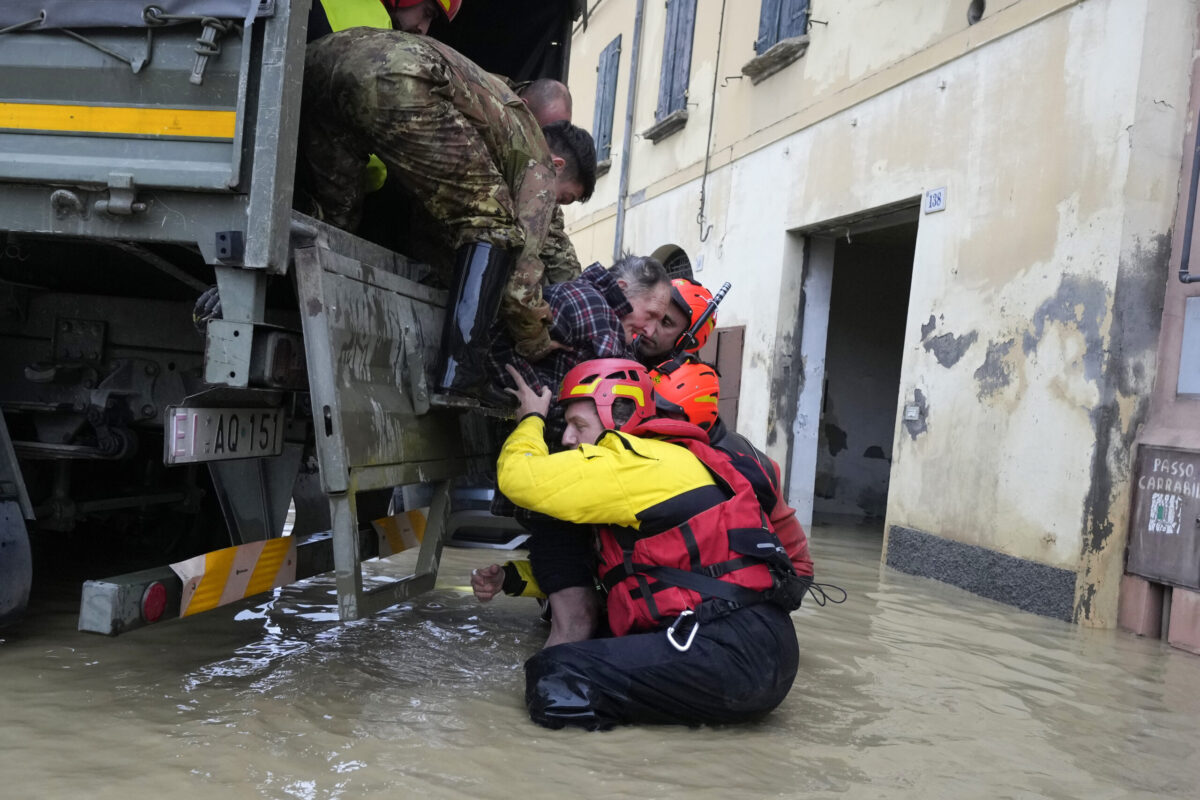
[1133, 336]
[948, 349]
[995, 373]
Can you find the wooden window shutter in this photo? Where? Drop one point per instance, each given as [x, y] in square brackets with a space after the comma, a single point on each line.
[794, 20]
[606, 98]
[677, 57]
[768, 25]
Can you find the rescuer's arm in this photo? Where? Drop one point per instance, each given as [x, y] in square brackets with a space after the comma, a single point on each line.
[558, 254]
[582, 485]
[523, 309]
[514, 579]
[790, 532]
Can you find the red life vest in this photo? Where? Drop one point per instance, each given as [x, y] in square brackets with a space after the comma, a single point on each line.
[648, 572]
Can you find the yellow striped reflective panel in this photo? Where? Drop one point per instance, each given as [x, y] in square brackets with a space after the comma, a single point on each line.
[188, 123]
[400, 531]
[223, 576]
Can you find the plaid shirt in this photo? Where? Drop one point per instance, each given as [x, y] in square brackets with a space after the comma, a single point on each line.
[587, 318]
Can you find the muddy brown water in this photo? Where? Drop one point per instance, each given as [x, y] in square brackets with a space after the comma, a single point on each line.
[910, 689]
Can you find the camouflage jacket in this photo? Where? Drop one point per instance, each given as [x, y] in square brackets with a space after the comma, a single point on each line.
[495, 182]
[519, 151]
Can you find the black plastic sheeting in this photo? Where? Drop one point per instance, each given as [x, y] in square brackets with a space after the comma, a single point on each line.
[122, 13]
[520, 39]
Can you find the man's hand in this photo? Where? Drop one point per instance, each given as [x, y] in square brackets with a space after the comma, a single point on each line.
[487, 582]
[529, 401]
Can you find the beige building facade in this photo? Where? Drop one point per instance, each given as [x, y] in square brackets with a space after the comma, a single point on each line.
[948, 227]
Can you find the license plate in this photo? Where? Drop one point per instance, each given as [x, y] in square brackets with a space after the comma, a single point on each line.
[221, 434]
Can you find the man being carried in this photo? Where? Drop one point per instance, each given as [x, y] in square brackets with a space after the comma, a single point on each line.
[597, 315]
[465, 149]
[699, 587]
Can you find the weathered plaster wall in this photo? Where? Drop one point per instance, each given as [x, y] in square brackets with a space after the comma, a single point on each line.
[1032, 323]
[865, 47]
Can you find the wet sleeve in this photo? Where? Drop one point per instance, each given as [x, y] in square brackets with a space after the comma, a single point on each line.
[584, 485]
[790, 532]
[519, 580]
[525, 313]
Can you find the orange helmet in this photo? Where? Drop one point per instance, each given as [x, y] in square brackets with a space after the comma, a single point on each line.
[692, 299]
[448, 7]
[605, 380]
[690, 387]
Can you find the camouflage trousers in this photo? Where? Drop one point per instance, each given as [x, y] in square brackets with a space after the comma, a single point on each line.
[405, 115]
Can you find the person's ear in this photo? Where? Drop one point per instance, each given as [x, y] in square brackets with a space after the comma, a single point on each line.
[559, 162]
[623, 284]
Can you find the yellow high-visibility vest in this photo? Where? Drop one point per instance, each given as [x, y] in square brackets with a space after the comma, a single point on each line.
[344, 14]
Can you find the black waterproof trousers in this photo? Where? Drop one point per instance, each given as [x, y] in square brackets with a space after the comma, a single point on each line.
[737, 669]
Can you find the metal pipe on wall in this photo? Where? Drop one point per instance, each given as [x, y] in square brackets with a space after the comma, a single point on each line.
[627, 140]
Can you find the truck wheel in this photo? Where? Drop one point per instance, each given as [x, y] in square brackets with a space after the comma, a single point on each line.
[16, 564]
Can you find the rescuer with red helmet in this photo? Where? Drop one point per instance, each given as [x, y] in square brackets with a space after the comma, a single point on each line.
[688, 388]
[689, 300]
[699, 588]
[415, 16]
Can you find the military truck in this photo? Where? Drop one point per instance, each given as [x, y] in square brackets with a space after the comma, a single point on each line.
[147, 152]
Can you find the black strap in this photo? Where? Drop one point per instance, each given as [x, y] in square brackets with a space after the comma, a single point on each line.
[693, 547]
[704, 585]
[726, 567]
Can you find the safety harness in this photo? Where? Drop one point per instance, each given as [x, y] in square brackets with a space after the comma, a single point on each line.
[724, 557]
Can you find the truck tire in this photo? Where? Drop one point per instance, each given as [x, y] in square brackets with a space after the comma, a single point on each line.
[16, 564]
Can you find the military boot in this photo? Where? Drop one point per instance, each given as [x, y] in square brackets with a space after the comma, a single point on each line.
[480, 274]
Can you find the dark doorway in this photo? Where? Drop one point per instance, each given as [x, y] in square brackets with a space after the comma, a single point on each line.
[872, 275]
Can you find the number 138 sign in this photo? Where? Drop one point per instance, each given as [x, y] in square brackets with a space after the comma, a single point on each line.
[935, 200]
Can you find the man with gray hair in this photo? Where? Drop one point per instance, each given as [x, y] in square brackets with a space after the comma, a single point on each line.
[596, 315]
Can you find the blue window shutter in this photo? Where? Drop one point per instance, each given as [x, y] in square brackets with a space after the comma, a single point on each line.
[606, 98]
[768, 25]
[668, 64]
[795, 18]
[677, 57]
[682, 72]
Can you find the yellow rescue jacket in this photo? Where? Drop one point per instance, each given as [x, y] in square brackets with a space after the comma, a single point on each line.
[613, 482]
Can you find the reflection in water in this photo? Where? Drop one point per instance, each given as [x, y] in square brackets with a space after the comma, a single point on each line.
[911, 688]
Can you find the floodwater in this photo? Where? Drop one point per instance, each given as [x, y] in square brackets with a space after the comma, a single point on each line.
[910, 689]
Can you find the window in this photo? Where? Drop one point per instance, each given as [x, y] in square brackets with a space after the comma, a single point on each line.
[782, 37]
[678, 265]
[677, 57]
[778, 20]
[671, 113]
[606, 100]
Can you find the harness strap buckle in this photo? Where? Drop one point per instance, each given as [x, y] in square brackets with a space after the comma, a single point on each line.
[695, 626]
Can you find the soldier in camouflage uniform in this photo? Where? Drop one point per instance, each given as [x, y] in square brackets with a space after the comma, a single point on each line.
[470, 152]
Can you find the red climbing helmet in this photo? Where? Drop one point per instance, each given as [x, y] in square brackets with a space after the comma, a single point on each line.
[692, 299]
[448, 7]
[688, 386]
[605, 380]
